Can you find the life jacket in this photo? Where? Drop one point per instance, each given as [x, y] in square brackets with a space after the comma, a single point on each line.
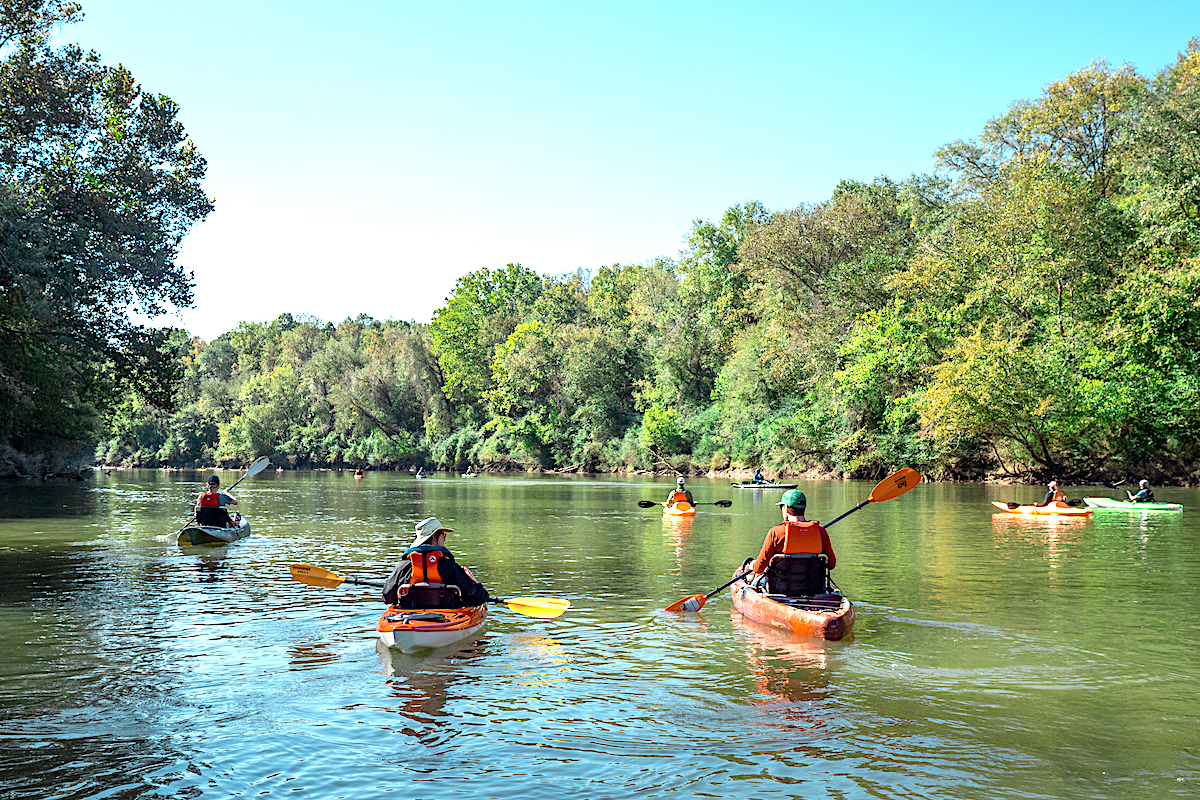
[1059, 497]
[802, 569]
[802, 537]
[210, 512]
[678, 496]
[426, 587]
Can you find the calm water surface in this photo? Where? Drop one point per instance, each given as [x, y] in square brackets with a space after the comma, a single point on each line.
[994, 656]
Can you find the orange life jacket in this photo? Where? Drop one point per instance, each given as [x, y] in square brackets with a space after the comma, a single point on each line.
[677, 497]
[1058, 497]
[802, 537]
[211, 499]
[425, 567]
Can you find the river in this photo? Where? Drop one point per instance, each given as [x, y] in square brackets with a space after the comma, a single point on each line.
[994, 656]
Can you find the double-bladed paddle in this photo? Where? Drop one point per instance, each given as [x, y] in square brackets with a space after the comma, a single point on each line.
[652, 504]
[542, 608]
[890, 487]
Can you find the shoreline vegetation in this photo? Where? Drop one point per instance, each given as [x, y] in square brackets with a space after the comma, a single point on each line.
[1030, 310]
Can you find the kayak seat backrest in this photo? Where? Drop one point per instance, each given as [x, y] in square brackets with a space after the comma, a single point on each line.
[798, 574]
[213, 517]
[426, 588]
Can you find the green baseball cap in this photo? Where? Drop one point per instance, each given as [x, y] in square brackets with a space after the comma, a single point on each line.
[793, 498]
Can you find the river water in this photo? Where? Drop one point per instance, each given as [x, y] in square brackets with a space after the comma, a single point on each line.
[994, 656]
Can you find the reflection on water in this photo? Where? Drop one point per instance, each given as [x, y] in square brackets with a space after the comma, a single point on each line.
[994, 655]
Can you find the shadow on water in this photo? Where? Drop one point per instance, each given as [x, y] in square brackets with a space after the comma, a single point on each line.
[45, 574]
[46, 499]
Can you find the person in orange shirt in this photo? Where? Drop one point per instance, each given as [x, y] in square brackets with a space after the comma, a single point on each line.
[809, 537]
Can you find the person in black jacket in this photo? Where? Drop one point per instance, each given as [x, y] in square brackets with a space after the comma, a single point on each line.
[429, 548]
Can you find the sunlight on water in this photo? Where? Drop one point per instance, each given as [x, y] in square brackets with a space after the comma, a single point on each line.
[994, 655]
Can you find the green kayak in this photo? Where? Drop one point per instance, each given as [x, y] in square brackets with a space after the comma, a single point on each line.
[1125, 505]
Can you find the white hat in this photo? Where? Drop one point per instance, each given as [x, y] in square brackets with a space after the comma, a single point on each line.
[680, 481]
[1143, 483]
[427, 529]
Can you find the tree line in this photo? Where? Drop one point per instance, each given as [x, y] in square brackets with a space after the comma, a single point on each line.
[1030, 308]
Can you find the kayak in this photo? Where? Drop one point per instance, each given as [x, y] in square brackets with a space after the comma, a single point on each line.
[825, 616]
[210, 534]
[764, 485]
[1125, 505]
[680, 509]
[1056, 509]
[411, 629]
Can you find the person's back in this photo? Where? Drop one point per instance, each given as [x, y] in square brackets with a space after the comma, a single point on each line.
[679, 495]
[427, 575]
[797, 553]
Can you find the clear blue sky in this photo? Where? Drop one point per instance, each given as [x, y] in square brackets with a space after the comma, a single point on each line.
[363, 156]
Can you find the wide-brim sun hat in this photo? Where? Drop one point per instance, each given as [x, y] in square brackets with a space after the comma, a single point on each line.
[428, 528]
[793, 498]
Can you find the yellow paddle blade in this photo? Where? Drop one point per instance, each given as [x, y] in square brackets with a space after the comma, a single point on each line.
[315, 576]
[895, 485]
[540, 607]
[694, 602]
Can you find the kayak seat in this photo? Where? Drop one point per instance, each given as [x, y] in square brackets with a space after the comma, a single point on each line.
[213, 517]
[429, 595]
[798, 574]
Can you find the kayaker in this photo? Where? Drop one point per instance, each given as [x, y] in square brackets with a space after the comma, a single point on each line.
[1144, 495]
[435, 568]
[1052, 496]
[210, 506]
[758, 478]
[680, 494]
[807, 537]
[421, 472]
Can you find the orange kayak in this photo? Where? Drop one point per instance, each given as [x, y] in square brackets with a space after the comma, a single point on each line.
[680, 509]
[829, 616]
[410, 629]
[1058, 509]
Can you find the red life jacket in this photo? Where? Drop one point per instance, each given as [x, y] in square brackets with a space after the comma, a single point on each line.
[211, 499]
[425, 568]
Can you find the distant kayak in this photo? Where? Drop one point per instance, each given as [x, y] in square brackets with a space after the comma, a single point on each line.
[411, 629]
[1058, 509]
[1125, 505]
[764, 485]
[680, 509]
[210, 534]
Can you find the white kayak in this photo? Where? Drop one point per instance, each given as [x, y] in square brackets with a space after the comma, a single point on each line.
[211, 534]
[1125, 505]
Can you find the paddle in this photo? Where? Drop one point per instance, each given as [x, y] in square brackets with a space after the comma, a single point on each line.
[889, 488]
[261, 463]
[1068, 502]
[542, 608]
[652, 504]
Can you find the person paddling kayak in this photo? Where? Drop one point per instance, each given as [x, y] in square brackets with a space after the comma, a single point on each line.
[680, 494]
[795, 536]
[1052, 496]
[1144, 495]
[427, 575]
[210, 506]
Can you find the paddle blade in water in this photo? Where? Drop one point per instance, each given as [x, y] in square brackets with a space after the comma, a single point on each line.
[693, 603]
[895, 485]
[315, 576]
[540, 607]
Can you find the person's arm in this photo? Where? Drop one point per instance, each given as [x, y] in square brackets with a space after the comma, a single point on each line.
[771, 545]
[827, 548]
[231, 498]
[689, 497]
[473, 592]
[391, 586]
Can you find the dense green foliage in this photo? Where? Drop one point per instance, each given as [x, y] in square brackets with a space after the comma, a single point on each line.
[1033, 307]
[98, 185]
